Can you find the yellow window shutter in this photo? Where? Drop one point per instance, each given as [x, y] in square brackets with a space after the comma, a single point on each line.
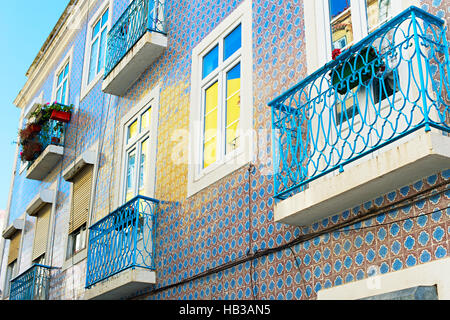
[81, 197]
[41, 231]
[14, 247]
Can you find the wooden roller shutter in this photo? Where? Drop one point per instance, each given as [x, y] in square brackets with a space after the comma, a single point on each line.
[14, 247]
[41, 231]
[81, 197]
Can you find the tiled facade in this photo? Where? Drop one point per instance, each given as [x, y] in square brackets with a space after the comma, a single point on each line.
[220, 223]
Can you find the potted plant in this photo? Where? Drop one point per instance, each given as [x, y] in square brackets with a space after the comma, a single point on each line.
[352, 68]
[29, 132]
[54, 111]
[61, 113]
[31, 150]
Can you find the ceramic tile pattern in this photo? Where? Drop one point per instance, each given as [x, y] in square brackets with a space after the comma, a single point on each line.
[221, 223]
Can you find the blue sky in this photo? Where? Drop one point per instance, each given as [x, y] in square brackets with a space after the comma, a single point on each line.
[24, 25]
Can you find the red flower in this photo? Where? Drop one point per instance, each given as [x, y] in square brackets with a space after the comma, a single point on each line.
[335, 53]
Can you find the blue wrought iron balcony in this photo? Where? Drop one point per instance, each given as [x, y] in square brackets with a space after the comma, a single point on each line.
[384, 88]
[33, 284]
[123, 240]
[49, 149]
[134, 42]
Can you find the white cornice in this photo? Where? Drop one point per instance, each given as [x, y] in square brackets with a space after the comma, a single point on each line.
[69, 24]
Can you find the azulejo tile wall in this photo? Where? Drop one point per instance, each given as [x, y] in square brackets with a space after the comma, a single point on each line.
[234, 216]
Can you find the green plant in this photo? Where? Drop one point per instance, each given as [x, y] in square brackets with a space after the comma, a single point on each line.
[43, 112]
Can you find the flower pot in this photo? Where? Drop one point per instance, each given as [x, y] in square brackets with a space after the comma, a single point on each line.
[352, 69]
[34, 128]
[56, 140]
[61, 116]
[31, 151]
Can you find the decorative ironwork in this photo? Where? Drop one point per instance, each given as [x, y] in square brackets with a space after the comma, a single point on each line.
[52, 133]
[33, 284]
[124, 239]
[390, 84]
[140, 16]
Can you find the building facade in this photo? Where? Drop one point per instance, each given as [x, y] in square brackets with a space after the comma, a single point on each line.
[234, 150]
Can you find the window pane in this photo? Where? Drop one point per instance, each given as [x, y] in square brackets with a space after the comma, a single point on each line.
[63, 94]
[210, 129]
[210, 61]
[105, 17]
[130, 175]
[233, 107]
[60, 78]
[378, 11]
[341, 23]
[92, 60]
[66, 70]
[58, 94]
[142, 169]
[101, 56]
[132, 130]
[146, 120]
[95, 30]
[232, 42]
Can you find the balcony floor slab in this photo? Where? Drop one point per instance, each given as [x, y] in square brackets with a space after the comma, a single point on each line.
[134, 63]
[424, 154]
[45, 163]
[121, 285]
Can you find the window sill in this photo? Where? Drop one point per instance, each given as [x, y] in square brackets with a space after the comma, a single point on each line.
[75, 259]
[220, 171]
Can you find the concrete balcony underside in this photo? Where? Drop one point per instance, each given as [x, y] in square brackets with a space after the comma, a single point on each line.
[121, 285]
[149, 47]
[426, 153]
[45, 163]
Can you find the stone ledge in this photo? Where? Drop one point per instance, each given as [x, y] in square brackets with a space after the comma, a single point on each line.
[121, 285]
[45, 163]
[134, 63]
[424, 154]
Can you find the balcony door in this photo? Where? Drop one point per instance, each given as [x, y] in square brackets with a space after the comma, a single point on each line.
[139, 145]
[352, 119]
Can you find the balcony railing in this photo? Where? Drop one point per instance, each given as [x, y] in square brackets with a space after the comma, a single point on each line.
[52, 133]
[124, 239]
[33, 284]
[140, 16]
[390, 84]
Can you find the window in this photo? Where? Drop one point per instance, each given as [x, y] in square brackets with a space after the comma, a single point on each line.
[352, 20]
[61, 84]
[11, 272]
[40, 260]
[41, 233]
[221, 100]
[221, 108]
[79, 212]
[95, 52]
[138, 155]
[97, 46]
[77, 241]
[346, 26]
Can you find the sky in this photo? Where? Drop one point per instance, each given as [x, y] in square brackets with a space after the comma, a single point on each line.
[24, 27]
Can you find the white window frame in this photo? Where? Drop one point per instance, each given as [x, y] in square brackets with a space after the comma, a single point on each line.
[85, 86]
[199, 177]
[317, 22]
[150, 100]
[67, 60]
